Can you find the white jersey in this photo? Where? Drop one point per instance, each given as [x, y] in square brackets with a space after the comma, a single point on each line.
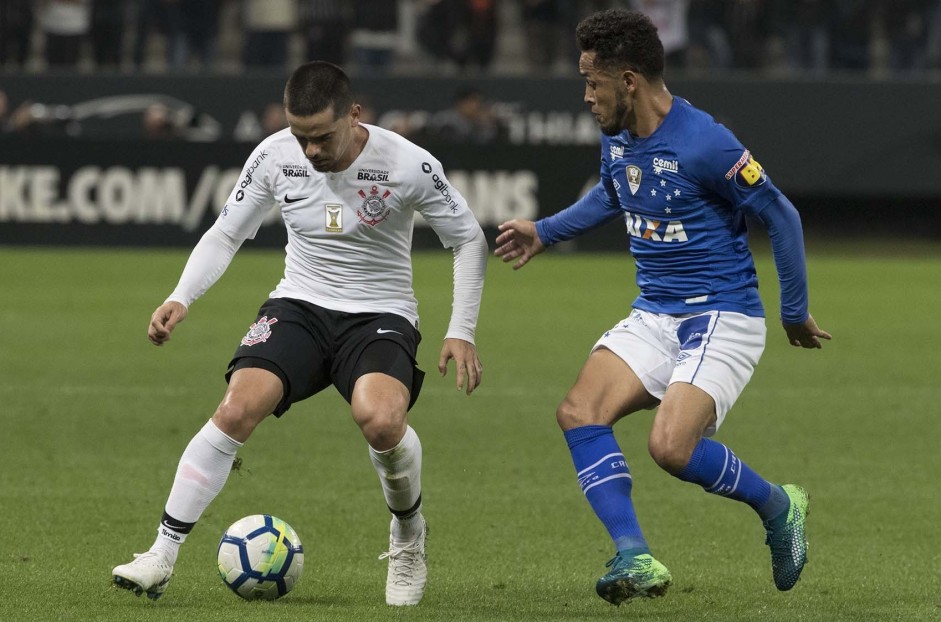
[350, 232]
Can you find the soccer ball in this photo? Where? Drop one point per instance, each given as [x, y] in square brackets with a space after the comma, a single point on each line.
[260, 557]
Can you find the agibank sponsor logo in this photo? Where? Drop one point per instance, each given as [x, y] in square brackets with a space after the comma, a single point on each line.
[247, 180]
[445, 190]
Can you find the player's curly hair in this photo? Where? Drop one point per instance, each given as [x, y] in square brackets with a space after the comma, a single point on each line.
[622, 39]
[315, 87]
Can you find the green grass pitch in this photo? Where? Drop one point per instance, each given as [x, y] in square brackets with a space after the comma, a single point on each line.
[93, 420]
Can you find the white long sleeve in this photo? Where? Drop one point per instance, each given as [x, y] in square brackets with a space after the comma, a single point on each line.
[470, 264]
[209, 259]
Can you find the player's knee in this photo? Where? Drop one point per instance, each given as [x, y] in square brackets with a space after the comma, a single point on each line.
[672, 456]
[236, 419]
[383, 434]
[570, 414]
[383, 425]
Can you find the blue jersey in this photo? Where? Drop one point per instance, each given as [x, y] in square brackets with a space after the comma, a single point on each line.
[684, 193]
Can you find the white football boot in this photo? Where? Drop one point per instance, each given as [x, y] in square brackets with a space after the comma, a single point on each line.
[405, 582]
[149, 573]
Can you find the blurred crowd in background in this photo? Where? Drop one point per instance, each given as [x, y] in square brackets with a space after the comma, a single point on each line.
[491, 37]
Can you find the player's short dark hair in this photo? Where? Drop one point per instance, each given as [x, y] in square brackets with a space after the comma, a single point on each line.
[315, 87]
[622, 39]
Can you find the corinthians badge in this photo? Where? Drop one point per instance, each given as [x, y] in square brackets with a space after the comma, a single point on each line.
[374, 209]
[259, 331]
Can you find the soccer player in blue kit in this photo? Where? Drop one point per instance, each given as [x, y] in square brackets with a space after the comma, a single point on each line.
[684, 185]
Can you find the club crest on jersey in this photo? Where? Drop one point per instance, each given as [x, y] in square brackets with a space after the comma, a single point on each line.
[259, 331]
[634, 175]
[374, 209]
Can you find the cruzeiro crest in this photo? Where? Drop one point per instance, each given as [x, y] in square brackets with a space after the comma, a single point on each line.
[259, 331]
[374, 209]
[633, 177]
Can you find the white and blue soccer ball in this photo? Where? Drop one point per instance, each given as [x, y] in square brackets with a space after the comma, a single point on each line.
[260, 557]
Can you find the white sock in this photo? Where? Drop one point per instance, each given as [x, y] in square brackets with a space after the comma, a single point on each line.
[204, 467]
[399, 472]
[405, 530]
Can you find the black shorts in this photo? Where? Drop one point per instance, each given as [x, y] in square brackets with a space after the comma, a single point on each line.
[310, 348]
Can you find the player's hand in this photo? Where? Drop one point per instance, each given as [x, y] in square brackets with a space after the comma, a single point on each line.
[465, 358]
[518, 239]
[164, 320]
[806, 335]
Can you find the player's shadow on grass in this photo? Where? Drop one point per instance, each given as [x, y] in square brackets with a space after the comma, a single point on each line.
[320, 601]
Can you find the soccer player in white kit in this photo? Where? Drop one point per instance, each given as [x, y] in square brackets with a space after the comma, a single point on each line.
[343, 314]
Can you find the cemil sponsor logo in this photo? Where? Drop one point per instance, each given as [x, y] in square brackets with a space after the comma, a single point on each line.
[660, 165]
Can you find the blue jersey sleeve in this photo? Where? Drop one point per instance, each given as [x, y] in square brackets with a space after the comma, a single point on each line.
[730, 170]
[599, 206]
[787, 245]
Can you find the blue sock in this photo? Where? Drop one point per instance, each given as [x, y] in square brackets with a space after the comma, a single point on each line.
[606, 482]
[714, 467]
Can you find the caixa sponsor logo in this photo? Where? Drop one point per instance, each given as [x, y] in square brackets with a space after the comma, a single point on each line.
[654, 230]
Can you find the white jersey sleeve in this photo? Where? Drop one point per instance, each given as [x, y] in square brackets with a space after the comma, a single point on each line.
[244, 212]
[253, 196]
[470, 263]
[446, 211]
[441, 205]
[209, 259]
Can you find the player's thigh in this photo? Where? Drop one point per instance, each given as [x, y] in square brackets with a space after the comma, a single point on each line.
[717, 353]
[645, 342]
[628, 370]
[606, 390]
[289, 339]
[375, 369]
